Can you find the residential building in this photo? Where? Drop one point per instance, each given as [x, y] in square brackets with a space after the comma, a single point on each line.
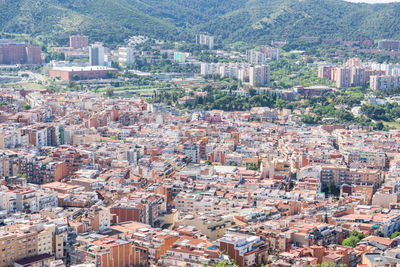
[343, 77]
[206, 40]
[389, 44]
[384, 82]
[127, 55]
[78, 41]
[256, 57]
[259, 75]
[96, 54]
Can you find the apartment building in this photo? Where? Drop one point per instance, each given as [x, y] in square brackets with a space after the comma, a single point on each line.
[357, 76]
[17, 244]
[100, 218]
[272, 53]
[206, 40]
[96, 54]
[213, 226]
[17, 52]
[129, 212]
[127, 55]
[343, 77]
[344, 175]
[256, 57]
[259, 75]
[325, 72]
[371, 159]
[243, 249]
[384, 82]
[389, 44]
[78, 41]
[191, 251]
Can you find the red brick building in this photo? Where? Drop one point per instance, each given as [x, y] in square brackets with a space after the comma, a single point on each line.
[81, 73]
[17, 52]
[78, 41]
[129, 212]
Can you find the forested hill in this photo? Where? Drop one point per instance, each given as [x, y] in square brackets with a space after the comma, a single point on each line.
[256, 21]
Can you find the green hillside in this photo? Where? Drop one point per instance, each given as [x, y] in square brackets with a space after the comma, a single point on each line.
[263, 20]
[252, 21]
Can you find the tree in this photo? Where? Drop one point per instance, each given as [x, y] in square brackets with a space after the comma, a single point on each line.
[333, 190]
[328, 264]
[353, 239]
[394, 235]
[110, 92]
[27, 106]
[350, 241]
[252, 167]
[379, 126]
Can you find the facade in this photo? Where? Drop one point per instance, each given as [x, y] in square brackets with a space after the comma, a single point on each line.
[259, 75]
[256, 57]
[389, 44]
[96, 54]
[357, 76]
[241, 248]
[130, 213]
[271, 53]
[325, 72]
[78, 41]
[206, 40]
[343, 175]
[384, 82]
[126, 55]
[16, 246]
[81, 73]
[17, 52]
[180, 57]
[192, 151]
[343, 77]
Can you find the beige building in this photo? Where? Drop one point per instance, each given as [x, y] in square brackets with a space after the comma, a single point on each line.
[15, 245]
[259, 75]
[45, 241]
[212, 227]
[384, 82]
[343, 175]
[343, 77]
[375, 260]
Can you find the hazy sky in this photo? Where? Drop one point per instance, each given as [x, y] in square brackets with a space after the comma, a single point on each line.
[373, 1]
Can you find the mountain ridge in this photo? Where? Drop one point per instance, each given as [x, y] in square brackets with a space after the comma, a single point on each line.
[249, 21]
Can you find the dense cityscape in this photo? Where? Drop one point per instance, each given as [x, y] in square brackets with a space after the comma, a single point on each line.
[151, 151]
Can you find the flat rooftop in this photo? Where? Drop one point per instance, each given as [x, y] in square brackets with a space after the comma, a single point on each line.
[84, 68]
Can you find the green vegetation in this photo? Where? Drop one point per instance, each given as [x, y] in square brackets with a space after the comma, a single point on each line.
[234, 21]
[337, 105]
[387, 112]
[332, 189]
[253, 168]
[291, 71]
[394, 235]
[165, 66]
[353, 239]
[221, 99]
[225, 264]
[328, 264]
